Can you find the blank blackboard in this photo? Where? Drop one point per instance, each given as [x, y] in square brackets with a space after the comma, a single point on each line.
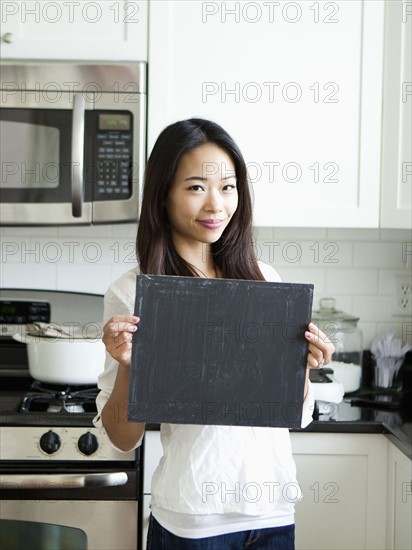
[219, 351]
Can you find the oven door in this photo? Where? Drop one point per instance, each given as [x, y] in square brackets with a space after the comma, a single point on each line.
[43, 153]
[99, 506]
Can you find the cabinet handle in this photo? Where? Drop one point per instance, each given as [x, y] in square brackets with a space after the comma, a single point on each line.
[8, 37]
[79, 106]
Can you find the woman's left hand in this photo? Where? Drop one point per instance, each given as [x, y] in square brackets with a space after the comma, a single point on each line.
[320, 347]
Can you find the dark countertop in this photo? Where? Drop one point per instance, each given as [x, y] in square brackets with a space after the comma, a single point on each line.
[378, 413]
[396, 424]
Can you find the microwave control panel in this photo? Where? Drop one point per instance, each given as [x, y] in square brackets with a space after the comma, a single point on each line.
[114, 153]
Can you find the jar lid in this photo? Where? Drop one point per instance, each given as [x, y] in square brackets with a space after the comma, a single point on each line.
[328, 312]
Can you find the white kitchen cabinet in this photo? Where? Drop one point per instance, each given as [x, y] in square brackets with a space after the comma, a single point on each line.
[74, 29]
[399, 534]
[299, 87]
[343, 481]
[396, 203]
[343, 478]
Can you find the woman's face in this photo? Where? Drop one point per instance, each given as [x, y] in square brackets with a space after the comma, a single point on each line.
[203, 197]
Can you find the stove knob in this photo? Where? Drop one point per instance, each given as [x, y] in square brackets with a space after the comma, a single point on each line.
[50, 442]
[88, 444]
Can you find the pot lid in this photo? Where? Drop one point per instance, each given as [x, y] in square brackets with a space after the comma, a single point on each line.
[328, 312]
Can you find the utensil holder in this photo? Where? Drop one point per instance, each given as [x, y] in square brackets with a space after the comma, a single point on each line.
[386, 374]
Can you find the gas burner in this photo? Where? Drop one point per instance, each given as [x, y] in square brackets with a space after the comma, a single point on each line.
[58, 400]
[63, 406]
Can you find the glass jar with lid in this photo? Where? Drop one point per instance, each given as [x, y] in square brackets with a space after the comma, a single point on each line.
[343, 331]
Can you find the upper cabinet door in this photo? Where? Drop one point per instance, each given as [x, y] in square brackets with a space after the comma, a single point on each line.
[299, 87]
[396, 203]
[80, 29]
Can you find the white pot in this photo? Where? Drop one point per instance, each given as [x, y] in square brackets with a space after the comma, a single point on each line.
[64, 361]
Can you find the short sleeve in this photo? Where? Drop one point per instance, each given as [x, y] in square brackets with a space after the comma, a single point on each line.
[269, 273]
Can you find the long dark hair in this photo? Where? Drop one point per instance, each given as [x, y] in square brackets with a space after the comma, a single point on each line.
[233, 253]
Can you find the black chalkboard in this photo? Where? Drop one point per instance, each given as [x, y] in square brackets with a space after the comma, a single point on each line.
[219, 351]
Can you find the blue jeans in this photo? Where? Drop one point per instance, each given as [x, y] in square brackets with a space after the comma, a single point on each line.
[274, 538]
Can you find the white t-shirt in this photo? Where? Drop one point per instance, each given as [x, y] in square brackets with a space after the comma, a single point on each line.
[214, 480]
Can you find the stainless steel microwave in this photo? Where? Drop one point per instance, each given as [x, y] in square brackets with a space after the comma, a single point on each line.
[73, 142]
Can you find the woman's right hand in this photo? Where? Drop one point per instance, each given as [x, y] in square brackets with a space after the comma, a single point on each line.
[117, 337]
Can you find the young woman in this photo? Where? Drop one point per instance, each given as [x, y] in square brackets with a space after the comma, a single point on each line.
[216, 487]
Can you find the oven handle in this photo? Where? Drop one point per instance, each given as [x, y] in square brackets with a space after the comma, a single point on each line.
[62, 481]
[79, 107]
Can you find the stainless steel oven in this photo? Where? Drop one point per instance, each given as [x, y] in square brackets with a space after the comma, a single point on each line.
[73, 142]
[60, 478]
[92, 490]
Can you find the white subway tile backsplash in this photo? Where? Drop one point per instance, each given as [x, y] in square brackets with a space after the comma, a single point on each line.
[331, 254]
[90, 258]
[125, 231]
[368, 333]
[26, 232]
[35, 276]
[11, 250]
[86, 232]
[373, 308]
[352, 281]
[382, 254]
[299, 234]
[122, 251]
[261, 234]
[83, 278]
[117, 270]
[107, 251]
[315, 277]
[279, 253]
[353, 234]
[398, 235]
[386, 281]
[51, 251]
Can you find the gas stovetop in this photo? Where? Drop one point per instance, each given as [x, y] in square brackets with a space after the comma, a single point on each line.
[39, 421]
[57, 400]
[24, 401]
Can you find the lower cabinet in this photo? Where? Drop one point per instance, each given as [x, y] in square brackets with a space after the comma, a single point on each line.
[344, 485]
[357, 491]
[399, 526]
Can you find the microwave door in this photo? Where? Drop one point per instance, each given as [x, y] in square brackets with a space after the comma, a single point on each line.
[42, 159]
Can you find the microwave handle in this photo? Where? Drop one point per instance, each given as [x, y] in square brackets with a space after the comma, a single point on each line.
[79, 107]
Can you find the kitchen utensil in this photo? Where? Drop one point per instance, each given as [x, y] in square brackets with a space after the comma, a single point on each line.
[389, 354]
[75, 361]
